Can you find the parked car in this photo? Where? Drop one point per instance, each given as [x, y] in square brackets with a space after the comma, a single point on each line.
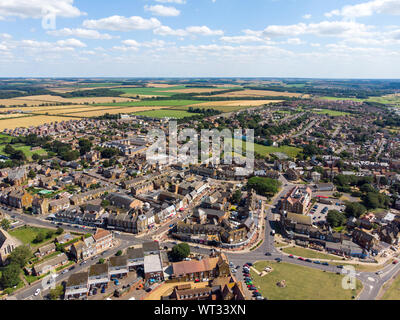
[340, 267]
[103, 290]
[300, 258]
[395, 261]
[268, 254]
[308, 260]
[325, 263]
[278, 259]
[291, 256]
[317, 262]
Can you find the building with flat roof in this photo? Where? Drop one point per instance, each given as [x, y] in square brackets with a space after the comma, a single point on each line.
[153, 267]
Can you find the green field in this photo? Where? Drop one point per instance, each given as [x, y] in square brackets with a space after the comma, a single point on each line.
[302, 283]
[393, 290]
[342, 99]
[223, 109]
[27, 234]
[26, 149]
[150, 103]
[389, 99]
[166, 113]
[265, 150]
[307, 253]
[133, 92]
[329, 112]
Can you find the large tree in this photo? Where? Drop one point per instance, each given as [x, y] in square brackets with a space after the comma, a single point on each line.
[180, 251]
[335, 218]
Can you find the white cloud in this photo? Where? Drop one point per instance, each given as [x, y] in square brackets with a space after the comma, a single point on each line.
[242, 39]
[366, 9]
[38, 8]
[80, 33]
[193, 30]
[307, 16]
[324, 28]
[75, 43]
[120, 23]
[204, 31]
[167, 31]
[160, 10]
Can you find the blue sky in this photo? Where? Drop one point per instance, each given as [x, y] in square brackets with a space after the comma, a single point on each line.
[200, 38]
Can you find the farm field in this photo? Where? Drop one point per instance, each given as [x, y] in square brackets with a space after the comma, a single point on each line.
[32, 121]
[177, 114]
[163, 92]
[236, 103]
[258, 93]
[37, 100]
[306, 287]
[125, 110]
[152, 103]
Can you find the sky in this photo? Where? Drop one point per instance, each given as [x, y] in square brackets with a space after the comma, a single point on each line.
[200, 38]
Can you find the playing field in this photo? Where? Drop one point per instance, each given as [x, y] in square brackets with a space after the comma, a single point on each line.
[329, 112]
[26, 149]
[302, 283]
[166, 113]
[265, 150]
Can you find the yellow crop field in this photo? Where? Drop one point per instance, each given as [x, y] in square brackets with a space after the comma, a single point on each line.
[31, 121]
[49, 109]
[236, 103]
[51, 99]
[258, 93]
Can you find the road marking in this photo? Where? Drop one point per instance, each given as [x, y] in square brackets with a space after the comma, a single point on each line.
[371, 279]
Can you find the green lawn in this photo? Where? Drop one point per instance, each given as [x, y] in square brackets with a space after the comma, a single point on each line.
[307, 253]
[302, 283]
[162, 113]
[150, 103]
[393, 290]
[26, 149]
[27, 234]
[267, 150]
[330, 112]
